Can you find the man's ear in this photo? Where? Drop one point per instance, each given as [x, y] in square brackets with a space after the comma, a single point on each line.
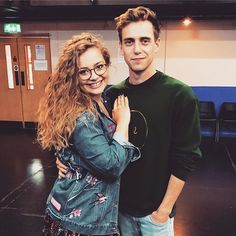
[121, 49]
[158, 42]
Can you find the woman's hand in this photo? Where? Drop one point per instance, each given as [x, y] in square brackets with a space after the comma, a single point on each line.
[121, 111]
[121, 115]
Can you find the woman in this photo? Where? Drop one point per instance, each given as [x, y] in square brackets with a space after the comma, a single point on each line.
[94, 147]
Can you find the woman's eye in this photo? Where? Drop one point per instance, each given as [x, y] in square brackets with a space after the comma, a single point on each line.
[83, 72]
[100, 66]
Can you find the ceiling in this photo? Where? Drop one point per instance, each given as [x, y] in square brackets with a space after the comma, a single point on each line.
[70, 10]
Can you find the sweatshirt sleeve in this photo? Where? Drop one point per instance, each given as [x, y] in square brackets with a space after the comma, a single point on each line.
[107, 158]
[186, 134]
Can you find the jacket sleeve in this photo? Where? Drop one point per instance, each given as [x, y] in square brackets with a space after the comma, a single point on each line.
[186, 134]
[106, 158]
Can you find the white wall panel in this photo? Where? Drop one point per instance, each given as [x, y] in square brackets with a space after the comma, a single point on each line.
[203, 54]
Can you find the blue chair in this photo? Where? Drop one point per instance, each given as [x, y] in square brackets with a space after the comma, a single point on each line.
[227, 120]
[208, 120]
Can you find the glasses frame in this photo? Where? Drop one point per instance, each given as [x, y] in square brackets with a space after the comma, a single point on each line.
[90, 71]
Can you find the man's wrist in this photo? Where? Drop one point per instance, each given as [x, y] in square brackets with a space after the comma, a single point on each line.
[164, 210]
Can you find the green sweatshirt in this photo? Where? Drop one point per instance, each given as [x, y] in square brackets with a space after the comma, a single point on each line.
[165, 126]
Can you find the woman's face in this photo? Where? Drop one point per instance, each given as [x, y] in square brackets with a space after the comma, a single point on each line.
[93, 73]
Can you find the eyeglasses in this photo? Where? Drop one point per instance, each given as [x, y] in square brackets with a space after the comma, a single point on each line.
[86, 73]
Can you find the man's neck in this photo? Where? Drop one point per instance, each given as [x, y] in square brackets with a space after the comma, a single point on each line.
[138, 78]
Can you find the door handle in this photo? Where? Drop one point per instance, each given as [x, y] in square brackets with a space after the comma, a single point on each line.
[17, 78]
[22, 75]
[16, 70]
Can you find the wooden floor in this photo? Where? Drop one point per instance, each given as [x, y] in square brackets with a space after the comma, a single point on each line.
[207, 206]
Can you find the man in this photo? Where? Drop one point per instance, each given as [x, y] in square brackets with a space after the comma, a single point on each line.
[164, 125]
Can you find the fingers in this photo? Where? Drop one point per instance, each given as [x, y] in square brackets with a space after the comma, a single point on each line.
[115, 104]
[121, 101]
[57, 162]
[61, 175]
[62, 168]
[126, 101]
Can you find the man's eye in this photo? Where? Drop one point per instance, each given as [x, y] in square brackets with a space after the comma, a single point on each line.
[145, 41]
[128, 42]
[83, 72]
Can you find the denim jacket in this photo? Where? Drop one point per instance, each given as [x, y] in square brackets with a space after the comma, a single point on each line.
[86, 201]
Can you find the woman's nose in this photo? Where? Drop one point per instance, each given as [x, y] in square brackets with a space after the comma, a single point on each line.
[94, 76]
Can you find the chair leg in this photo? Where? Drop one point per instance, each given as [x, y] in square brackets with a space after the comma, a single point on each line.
[217, 135]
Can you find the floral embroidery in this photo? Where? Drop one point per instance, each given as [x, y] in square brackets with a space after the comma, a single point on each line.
[91, 180]
[101, 198]
[111, 129]
[75, 213]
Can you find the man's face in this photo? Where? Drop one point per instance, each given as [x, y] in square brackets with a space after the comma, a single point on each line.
[139, 46]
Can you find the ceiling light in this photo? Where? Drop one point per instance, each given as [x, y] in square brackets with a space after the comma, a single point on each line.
[187, 21]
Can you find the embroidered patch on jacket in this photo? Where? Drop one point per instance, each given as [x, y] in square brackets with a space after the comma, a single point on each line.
[91, 180]
[55, 203]
[101, 198]
[70, 175]
[75, 213]
[112, 128]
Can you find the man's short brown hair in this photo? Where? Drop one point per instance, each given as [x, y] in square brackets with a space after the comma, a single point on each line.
[137, 14]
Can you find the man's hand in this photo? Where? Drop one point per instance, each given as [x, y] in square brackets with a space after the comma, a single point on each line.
[174, 189]
[160, 216]
[62, 169]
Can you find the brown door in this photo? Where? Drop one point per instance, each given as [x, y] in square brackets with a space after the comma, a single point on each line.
[31, 68]
[35, 68]
[10, 91]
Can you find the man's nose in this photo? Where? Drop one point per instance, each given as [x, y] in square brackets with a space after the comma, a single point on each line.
[137, 47]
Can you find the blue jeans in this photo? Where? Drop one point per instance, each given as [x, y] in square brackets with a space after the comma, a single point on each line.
[144, 226]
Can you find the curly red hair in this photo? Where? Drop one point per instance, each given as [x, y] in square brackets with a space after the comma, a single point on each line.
[64, 101]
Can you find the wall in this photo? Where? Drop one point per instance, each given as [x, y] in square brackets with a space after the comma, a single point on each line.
[204, 54]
